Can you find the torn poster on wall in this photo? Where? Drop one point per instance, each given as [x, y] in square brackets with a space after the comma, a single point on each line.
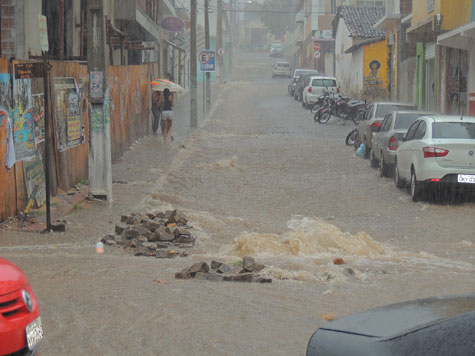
[69, 125]
[5, 121]
[23, 134]
[38, 112]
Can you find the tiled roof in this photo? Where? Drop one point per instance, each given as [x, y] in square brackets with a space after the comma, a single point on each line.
[360, 20]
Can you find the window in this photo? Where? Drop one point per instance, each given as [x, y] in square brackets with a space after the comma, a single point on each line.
[386, 124]
[385, 109]
[454, 130]
[421, 131]
[333, 7]
[430, 5]
[412, 130]
[329, 83]
[371, 3]
[403, 121]
[369, 113]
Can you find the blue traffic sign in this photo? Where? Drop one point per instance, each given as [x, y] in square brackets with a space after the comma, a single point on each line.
[207, 59]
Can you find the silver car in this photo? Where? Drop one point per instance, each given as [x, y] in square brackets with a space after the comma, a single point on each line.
[437, 150]
[372, 119]
[388, 137]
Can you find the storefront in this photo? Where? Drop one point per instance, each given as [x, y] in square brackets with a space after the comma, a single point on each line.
[458, 70]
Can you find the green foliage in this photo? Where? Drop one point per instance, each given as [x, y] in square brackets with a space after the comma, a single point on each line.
[83, 181]
[278, 16]
[237, 263]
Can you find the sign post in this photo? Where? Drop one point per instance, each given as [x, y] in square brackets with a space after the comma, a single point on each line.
[207, 59]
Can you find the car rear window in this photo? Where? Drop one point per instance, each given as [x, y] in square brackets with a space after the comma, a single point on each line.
[299, 72]
[283, 65]
[454, 130]
[383, 110]
[324, 83]
[404, 121]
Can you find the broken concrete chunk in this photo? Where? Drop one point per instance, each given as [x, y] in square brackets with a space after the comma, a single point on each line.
[151, 225]
[223, 268]
[185, 274]
[248, 263]
[108, 240]
[119, 228]
[215, 264]
[200, 276]
[243, 277]
[213, 277]
[199, 267]
[128, 219]
[259, 267]
[263, 280]
[185, 239]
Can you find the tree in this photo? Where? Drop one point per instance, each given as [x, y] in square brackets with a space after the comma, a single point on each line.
[278, 16]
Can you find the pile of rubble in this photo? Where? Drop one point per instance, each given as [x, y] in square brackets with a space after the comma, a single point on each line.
[218, 271]
[163, 235]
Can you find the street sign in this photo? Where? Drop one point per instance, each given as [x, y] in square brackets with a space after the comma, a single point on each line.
[43, 33]
[220, 52]
[207, 59]
[317, 55]
[316, 47]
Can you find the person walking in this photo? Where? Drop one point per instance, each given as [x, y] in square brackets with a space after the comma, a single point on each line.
[156, 101]
[167, 114]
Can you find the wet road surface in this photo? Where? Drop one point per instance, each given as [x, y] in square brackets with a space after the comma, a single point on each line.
[258, 178]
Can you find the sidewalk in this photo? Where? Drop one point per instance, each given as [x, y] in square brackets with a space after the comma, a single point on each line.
[65, 203]
[181, 120]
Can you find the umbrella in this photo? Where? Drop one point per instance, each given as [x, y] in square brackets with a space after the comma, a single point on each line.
[162, 84]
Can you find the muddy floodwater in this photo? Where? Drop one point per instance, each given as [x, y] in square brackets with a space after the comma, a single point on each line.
[258, 178]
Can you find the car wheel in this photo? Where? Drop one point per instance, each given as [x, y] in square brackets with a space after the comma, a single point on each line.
[383, 167]
[373, 162]
[351, 138]
[416, 187]
[397, 178]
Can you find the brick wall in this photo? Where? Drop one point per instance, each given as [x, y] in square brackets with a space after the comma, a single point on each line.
[8, 27]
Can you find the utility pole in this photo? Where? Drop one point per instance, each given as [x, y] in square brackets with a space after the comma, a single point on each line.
[100, 161]
[207, 45]
[193, 69]
[219, 39]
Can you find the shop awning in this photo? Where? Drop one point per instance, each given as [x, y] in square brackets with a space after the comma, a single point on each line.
[426, 31]
[460, 38]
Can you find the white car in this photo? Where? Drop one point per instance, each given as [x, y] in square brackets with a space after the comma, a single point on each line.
[281, 69]
[316, 87]
[437, 150]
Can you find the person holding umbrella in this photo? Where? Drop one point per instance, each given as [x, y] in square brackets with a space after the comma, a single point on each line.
[166, 103]
[167, 113]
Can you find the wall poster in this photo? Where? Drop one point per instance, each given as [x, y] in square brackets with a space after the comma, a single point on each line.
[22, 117]
[69, 126]
[34, 175]
[38, 112]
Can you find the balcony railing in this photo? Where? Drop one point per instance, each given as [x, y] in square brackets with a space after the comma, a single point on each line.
[150, 8]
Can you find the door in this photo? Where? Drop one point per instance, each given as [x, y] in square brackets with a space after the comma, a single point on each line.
[404, 152]
[430, 85]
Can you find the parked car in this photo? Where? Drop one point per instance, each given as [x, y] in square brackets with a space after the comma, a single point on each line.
[388, 137]
[316, 86]
[300, 85]
[297, 73]
[276, 50]
[281, 69]
[437, 150]
[372, 119]
[20, 322]
[437, 326]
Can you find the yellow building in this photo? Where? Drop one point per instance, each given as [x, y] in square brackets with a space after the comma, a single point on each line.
[444, 31]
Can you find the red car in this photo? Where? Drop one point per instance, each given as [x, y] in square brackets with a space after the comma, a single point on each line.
[20, 321]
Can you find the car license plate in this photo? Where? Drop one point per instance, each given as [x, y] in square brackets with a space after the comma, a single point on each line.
[34, 333]
[466, 178]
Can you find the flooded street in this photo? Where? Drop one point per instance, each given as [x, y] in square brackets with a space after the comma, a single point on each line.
[258, 178]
